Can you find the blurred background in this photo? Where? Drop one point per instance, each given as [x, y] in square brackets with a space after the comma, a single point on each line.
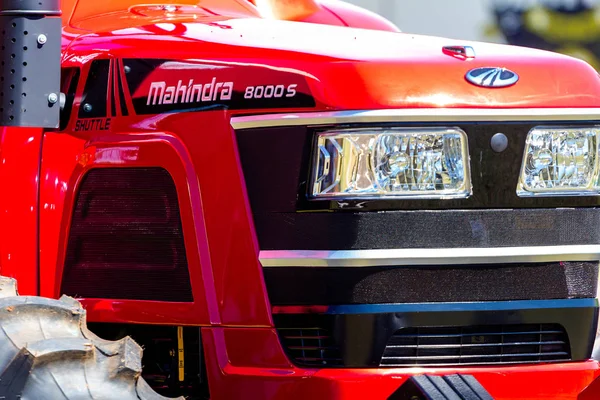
[567, 26]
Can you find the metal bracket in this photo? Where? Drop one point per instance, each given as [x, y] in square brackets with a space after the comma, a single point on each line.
[30, 35]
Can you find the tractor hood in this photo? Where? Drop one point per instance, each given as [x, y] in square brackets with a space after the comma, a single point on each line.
[343, 68]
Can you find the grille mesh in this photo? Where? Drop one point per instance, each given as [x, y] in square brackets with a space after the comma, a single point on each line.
[477, 345]
[433, 283]
[125, 239]
[310, 346]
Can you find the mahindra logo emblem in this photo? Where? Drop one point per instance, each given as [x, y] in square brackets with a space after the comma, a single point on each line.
[492, 77]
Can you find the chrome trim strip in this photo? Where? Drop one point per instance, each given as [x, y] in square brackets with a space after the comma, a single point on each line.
[410, 257]
[467, 306]
[417, 115]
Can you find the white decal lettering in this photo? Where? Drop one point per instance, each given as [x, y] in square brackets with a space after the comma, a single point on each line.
[217, 90]
[227, 91]
[169, 95]
[160, 93]
[157, 89]
[180, 90]
[207, 95]
[279, 89]
[291, 90]
[196, 89]
[269, 91]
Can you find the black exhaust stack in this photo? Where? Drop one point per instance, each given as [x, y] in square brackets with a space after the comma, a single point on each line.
[30, 35]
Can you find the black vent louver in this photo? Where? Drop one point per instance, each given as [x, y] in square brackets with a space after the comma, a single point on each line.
[125, 239]
[477, 345]
[311, 347]
[308, 340]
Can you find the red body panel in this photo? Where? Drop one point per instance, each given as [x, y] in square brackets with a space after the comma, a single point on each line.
[159, 149]
[353, 16]
[19, 166]
[344, 69]
[362, 69]
[236, 374]
[359, 73]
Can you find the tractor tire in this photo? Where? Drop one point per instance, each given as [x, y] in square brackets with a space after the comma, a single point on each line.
[47, 352]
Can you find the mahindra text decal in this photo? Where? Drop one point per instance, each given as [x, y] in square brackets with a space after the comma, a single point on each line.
[159, 86]
[160, 93]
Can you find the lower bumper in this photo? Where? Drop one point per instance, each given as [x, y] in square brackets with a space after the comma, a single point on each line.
[250, 364]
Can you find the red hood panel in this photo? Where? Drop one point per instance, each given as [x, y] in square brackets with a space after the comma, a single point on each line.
[363, 69]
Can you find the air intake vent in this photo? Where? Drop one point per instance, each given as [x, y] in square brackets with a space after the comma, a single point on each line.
[310, 347]
[477, 345]
[125, 239]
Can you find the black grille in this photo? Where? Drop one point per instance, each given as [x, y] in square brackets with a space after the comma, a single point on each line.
[477, 345]
[310, 346]
[424, 284]
[126, 239]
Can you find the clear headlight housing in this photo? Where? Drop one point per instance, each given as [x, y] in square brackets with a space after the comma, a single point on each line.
[391, 163]
[560, 161]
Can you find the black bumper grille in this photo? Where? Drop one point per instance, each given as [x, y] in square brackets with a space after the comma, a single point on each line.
[440, 346]
[477, 345]
[311, 346]
[559, 331]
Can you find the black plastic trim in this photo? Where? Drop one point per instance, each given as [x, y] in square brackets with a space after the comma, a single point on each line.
[93, 102]
[69, 81]
[362, 337]
[427, 229]
[447, 283]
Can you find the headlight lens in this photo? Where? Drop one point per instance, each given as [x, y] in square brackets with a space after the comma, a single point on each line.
[560, 162]
[391, 163]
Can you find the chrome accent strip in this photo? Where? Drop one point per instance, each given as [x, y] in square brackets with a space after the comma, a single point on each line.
[410, 257]
[466, 306]
[417, 115]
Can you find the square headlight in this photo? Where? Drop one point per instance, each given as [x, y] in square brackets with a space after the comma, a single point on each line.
[391, 163]
[560, 161]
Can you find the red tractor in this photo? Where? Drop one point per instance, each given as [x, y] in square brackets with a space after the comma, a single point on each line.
[291, 200]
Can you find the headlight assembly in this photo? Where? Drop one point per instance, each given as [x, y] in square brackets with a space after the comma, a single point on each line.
[560, 161]
[426, 163]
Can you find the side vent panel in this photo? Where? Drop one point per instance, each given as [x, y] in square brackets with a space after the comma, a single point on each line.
[126, 239]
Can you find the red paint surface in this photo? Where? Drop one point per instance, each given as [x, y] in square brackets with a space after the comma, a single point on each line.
[19, 164]
[133, 149]
[248, 369]
[361, 69]
[345, 69]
